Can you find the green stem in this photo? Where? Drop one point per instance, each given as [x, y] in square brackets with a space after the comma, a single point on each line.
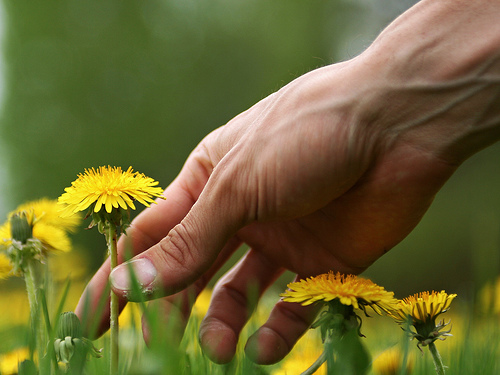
[32, 290]
[329, 349]
[437, 359]
[111, 239]
[29, 278]
[316, 365]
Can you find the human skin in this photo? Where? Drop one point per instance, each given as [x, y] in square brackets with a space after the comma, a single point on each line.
[328, 173]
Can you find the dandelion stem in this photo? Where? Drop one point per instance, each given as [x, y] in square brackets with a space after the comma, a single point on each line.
[113, 322]
[437, 359]
[31, 289]
[29, 279]
[316, 365]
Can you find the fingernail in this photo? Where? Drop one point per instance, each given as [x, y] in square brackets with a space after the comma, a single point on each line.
[143, 269]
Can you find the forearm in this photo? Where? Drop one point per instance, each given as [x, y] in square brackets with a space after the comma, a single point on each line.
[437, 81]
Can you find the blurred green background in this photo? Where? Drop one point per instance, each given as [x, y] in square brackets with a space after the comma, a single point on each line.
[140, 83]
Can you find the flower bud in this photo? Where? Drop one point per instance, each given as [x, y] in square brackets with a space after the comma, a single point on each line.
[70, 345]
[20, 229]
[69, 326]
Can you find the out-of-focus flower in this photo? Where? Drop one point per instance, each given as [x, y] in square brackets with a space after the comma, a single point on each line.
[74, 263]
[33, 230]
[48, 211]
[5, 266]
[489, 297]
[46, 226]
[5, 236]
[13, 299]
[130, 316]
[305, 352]
[202, 303]
[390, 362]
[9, 362]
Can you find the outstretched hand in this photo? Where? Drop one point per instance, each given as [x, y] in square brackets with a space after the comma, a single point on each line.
[328, 173]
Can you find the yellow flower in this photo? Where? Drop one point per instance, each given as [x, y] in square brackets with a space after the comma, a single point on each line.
[74, 262]
[130, 316]
[13, 299]
[9, 362]
[421, 311]
[489, 297]
[422, 307]
[48, 211]
[5, 267]
[305, 352]
[350, 290]
[5, 236]
[390, 362]
[108, 187]
[46, 225]
[200, 308]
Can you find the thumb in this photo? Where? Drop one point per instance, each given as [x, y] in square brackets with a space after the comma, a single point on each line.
[189, 249]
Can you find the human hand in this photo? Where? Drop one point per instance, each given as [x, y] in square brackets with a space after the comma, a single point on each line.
[322, 175]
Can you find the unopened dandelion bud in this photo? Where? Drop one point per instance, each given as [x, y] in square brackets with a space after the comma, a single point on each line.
[69, 333]
[69, 326]
[21, 230]
[70, 342]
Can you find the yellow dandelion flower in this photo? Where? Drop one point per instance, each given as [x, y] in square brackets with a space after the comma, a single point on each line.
[350, 290]
[108, 187]
[200, 308]
[54, 238]
[76, 264]
[48, 211]
[304, 353]
[421, 310]
[422, 307]
[390, 362]
[9, 362]
[46, 225]
[341, 294]
[5, 267]
[107, 194]
[130, 316]
[5, 236]
[489, 297]
[13, 299]
[496, 305]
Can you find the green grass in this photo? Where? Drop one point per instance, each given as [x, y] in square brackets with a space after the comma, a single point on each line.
[474, 347]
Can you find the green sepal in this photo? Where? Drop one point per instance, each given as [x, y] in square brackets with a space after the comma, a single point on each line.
[118, 217]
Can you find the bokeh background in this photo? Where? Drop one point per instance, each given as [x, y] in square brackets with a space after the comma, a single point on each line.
[140, 83]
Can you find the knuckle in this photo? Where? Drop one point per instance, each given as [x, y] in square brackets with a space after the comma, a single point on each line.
[229, 292]
[295, 317]
[177, 248]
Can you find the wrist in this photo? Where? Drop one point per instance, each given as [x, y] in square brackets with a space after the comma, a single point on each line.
[435, 78]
